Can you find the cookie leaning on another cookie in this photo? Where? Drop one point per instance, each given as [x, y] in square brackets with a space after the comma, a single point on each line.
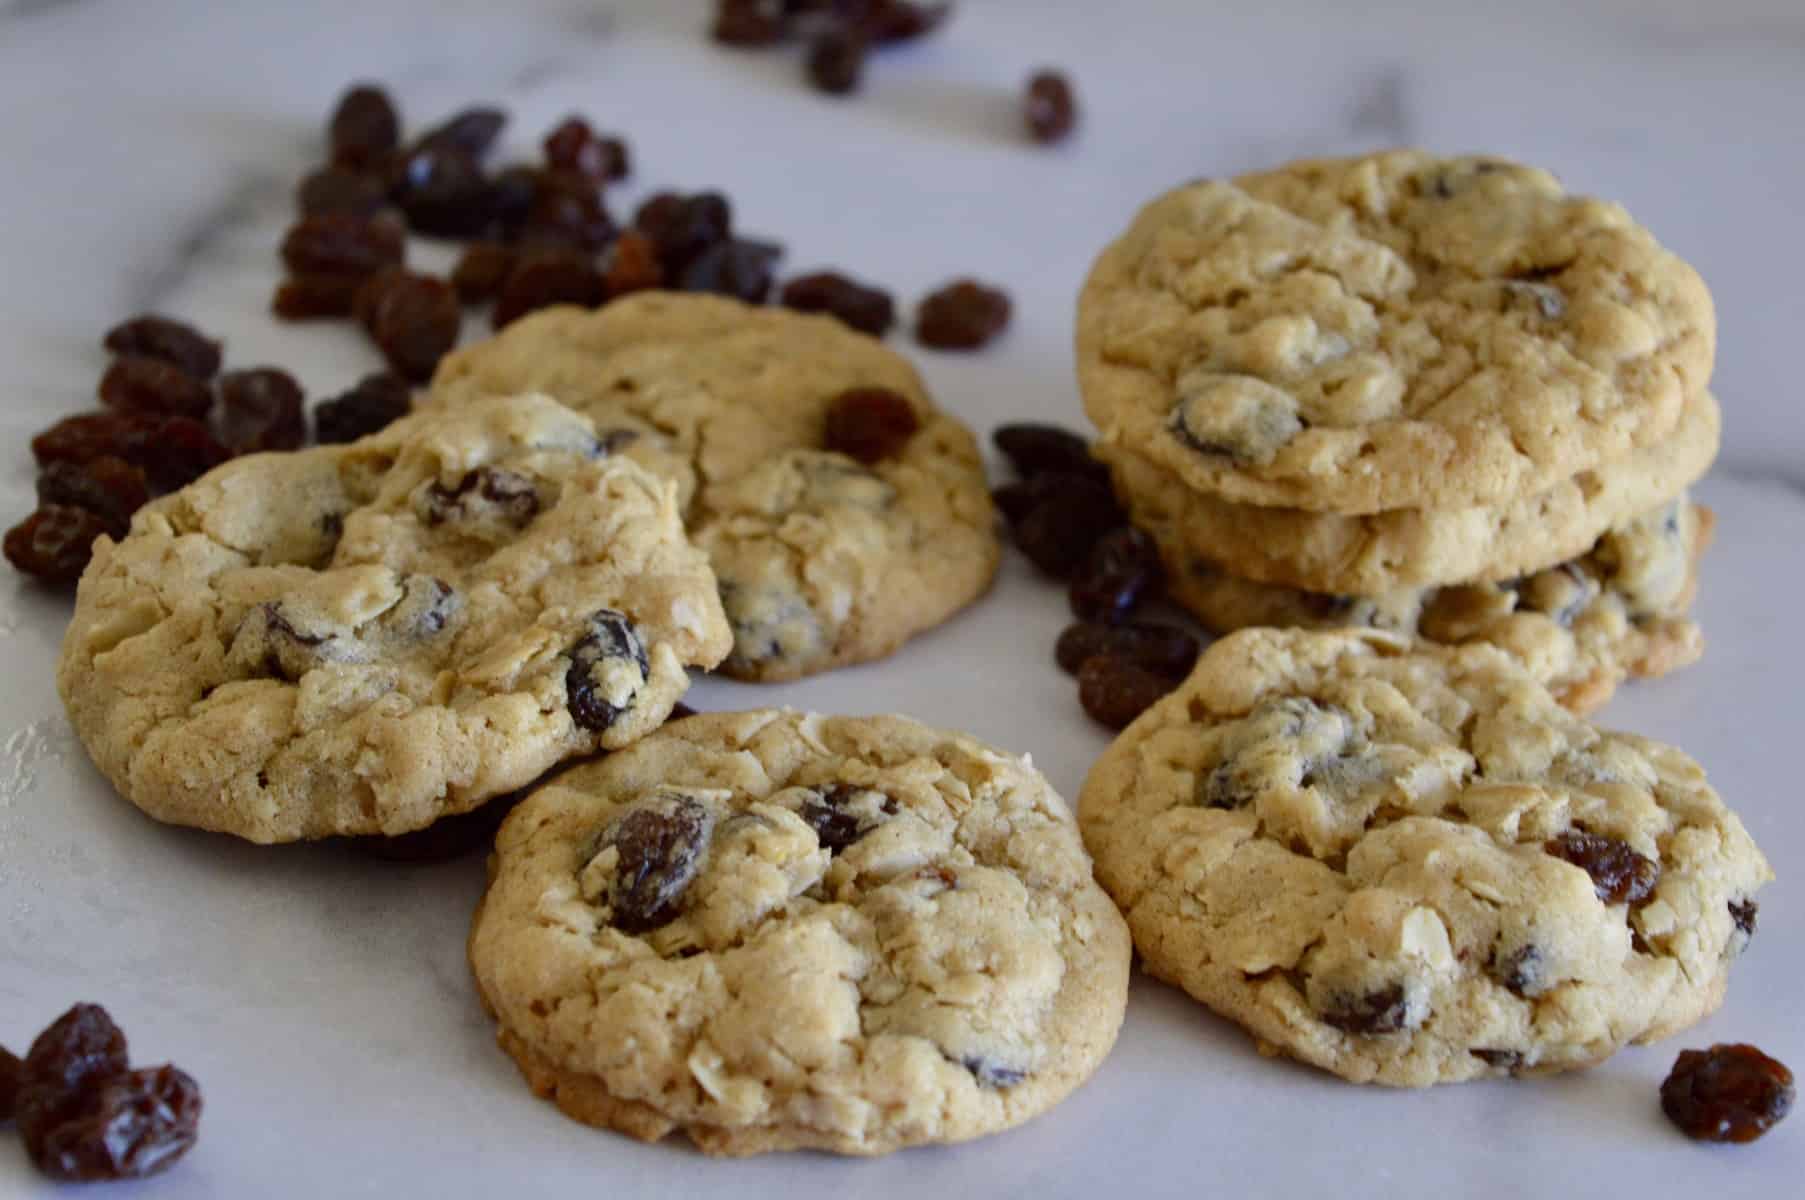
[773, 930]
[362, 639]
[1413, 867]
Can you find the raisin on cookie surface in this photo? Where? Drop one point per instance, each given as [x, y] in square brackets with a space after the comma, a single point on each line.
[773, 930]
[1413, 866]
[824, 560]
[1397, 330]
[361, 639]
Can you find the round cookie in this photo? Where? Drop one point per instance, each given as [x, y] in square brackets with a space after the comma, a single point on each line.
[362, 639]
[1415, 867]
[1374, 553]
[1391, 331]
[823, 561]
[774, 930]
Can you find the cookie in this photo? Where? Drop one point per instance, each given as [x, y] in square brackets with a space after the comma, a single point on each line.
[774, 930]
[1414, 867]
[1392, 331]
[1581, 627]
[362, 639]
[823, 560]
[1416, 548]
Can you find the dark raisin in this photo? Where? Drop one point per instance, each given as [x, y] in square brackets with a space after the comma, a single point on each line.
[542, 278]
[151, 385]
[446, 838]
[481, 270]
[54, 543]
[992, 1074]
[316, 297]
[749, 22]
[9, 1083]
[472, 131]
[89, 436]
[1114, 691]
[631, 265]
[413, 319]
[1223, 788]
[1729, 1093]
[1034, 450]
[1520, 971]
[151, 336]
[108, 487]
[1163, 649]
[888, 21]
[261, 409]
[511, 196]
[835, 827]
[661, 846]
[611, 641]
[836, 60]
[1058, 531]
[342, 191]
[487, 490]
[870, 424]
[1743, 913]
[182, 451]
[567, 210]
[1121, 571]
[866, 309]
[1049, 107]
[1383, 1011]
[365, 129]
[682, 227]
[1509, 1060]
[738, 267]
[126, 1126]
[80, 1048]
[963, 315]
[1619, 874]
[574, 146]
[337, 244]
[372, 405]
[443, 193]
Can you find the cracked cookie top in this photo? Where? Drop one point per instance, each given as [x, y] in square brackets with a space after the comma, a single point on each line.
[1391, 331]
[776, 930]
[362, 639]
[824, 559]
[1414, 867]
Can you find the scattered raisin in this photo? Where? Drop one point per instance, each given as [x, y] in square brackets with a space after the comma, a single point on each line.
[611, 640]
[574, 146]
[372, 405]
[866, 309]
[1114, 691]
[836, 60]
[261, 409]
[412, 318]
[471, 132]
[1743, 913]
[682, 227]
[316, 297]
[1164, 650]
[1034, 449]
[511, 496]
[963, 315]
[1058, 531]
[340, 190]
[661, 846]
[631, 265]
[365, 129]
[1121, 571]
[339, 244]
[1383, 1011]
[1619, 874]
[443, 192]
[55, 542]
[738, 267]
[749, 22]
[543, 278]
[481, 270]
[1049, 107]
[1729, 1093]
[151, 385]
[181, 345]
[9, 1083]
[870, 424]
[889, 21]
[567, 209]
[110, 488]
[511, 196]
[125, 1126]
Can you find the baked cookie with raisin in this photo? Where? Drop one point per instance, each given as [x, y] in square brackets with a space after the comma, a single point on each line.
[1411, 866]
[842, 512]
[774, 930]
[363, 638]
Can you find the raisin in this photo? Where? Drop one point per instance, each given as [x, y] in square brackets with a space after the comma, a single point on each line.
[127, 1126]
[1049, 107]
[372, 405]
[682, 227]
[574, 146]
[261, 409]
[870, 424]
[543, 278]
[443, 193]
[661, 846]
[365, 129]
[180, 345]
[316, 297]
[1223, 788]
[1729, 1093]
[679, 711]
[1059, 530]
[181, 452]
[1520, 971]
[1121, 571]
[567, 209]
[963, 315]
[1383, 1011]
[445, 839]
[55, 542]
[1114, 691]
[110, 488]
[836, 60]
[88, 436]
[1035, 450]
[481, 270]
[511, 196]
[412, 318]
[866, 309]
[738, 267]
[749, 22]
[1162, 649]
[342, 191]
[1619, 874]
[611, 641]
[890, 21]
[835, 827]
[151, 385]
[80, 1048]
[471, 132]
[1743, 913]
[9, 1083]
[992, 1074]
[337, 244]
[512, 497]
[631, 265]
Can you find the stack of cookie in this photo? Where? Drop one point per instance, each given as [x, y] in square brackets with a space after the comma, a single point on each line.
[1439, 397]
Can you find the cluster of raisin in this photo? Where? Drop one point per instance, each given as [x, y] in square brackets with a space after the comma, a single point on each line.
[84, 1114]
[1065, 518]
[168, 416]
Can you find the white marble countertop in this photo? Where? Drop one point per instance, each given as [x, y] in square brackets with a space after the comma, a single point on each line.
[322, 998]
